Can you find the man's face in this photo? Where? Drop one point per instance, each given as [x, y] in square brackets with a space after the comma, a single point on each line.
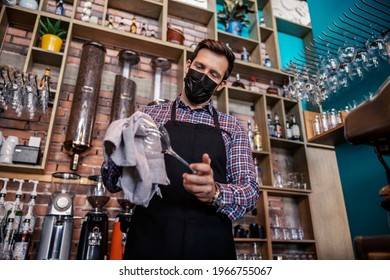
[211, 64]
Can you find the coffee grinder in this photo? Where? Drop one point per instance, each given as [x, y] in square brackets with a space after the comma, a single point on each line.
[121, 228]
[93, 242]
[56, 238]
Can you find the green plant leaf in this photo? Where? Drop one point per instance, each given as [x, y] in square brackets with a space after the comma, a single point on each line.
[43, 26]
[62, 34]
[56, 27]
[50, 26]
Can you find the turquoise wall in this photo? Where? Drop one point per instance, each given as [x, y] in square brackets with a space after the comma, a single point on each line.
[361, 174]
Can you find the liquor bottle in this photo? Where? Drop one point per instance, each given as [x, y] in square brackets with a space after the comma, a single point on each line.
[257, 141]
[271, 126]
[245, 55]
[272, 89]
[255, 255]
[288, 130]
[110, 24]
[252, 85]
[258, 172]
[133, 26]
[278, 126]
[143, 29]
[324, 122]
[237, 82]
[296, 133]
[60, 8]
[285, 92]
[22, 240]
[46, 96]
[30, 210]
[8, 242]
[250, 135]
[121, 25]
[267, 61]
[317, 125]
[3, 210]
[16, 209]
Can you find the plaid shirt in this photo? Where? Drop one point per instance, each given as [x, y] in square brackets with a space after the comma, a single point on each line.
[241, 192]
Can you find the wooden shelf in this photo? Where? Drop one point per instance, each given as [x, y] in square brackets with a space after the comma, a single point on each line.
[265, 32]
[189, 12]
[292, 28]
[285, 144]
[21, 17]
[146, 8]
[243, 94]
[47, 57]
[238, 42]
[331, 137]
[126, 40]
[305, 241]
[246, 240]
[22, 168]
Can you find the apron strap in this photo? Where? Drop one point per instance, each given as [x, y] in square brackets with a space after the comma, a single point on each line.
[215, 115]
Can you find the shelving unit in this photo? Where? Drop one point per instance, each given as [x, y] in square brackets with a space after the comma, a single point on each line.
[159, 12]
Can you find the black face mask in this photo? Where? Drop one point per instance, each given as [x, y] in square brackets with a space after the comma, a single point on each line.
[198, 87]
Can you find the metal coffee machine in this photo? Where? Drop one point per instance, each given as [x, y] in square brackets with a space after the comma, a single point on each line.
[93, 242]
[56, 238]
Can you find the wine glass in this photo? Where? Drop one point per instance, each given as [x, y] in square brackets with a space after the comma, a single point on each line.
[346, 52]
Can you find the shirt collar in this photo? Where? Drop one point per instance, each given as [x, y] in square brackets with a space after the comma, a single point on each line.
[206, 107]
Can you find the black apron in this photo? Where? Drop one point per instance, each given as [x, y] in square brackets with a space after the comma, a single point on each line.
[178, 225]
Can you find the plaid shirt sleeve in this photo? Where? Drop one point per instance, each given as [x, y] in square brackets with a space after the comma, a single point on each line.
[241, 192]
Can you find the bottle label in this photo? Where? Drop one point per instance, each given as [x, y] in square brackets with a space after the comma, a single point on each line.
[295, 131]
[20, 250]
[257, 142]
[289, 133]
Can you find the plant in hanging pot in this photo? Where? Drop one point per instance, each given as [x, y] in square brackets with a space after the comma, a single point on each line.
[233, 16]
[52, 35]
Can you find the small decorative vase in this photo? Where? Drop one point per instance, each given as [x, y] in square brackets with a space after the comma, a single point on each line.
[234, 28]
[29, 4]
[51, 42]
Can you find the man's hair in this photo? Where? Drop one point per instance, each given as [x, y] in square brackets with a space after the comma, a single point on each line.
[218, 48]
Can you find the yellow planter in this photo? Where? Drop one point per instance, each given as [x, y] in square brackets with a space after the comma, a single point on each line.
[51, 42]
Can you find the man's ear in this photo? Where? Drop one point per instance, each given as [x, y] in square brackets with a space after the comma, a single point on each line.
[188, 64]
[221, 85]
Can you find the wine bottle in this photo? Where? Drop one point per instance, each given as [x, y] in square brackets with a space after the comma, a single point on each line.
[296, 133]
[288, 130]
[271, 126]
[237, 82]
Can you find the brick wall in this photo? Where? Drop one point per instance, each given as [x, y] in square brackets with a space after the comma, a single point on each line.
[14, 52]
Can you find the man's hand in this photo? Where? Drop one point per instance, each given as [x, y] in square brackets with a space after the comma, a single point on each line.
[201, 182]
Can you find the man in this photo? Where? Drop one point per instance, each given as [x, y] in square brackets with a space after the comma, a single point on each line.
[192, 219]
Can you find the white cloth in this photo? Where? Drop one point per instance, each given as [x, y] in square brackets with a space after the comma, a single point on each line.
[131, 146]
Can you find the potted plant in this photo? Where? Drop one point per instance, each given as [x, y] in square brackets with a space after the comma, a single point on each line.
[233, 16]
[52, 35]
